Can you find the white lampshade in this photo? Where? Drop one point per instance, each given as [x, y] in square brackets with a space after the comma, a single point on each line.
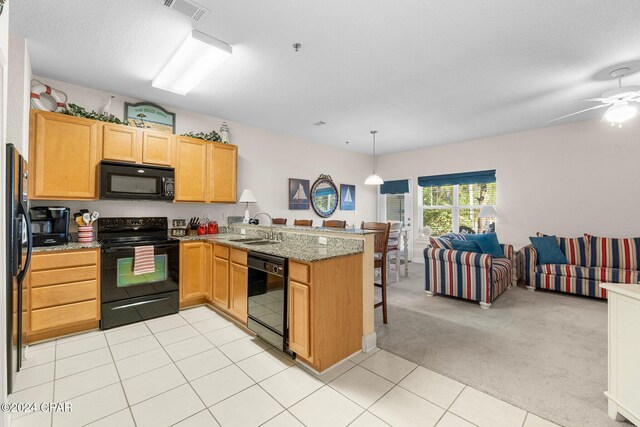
[620, 112]
[196, 58]
[487, 211]
[373, 179]
[247, 196]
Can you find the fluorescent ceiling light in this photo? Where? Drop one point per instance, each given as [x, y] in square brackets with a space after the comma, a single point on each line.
[619, 113]
[194, 60]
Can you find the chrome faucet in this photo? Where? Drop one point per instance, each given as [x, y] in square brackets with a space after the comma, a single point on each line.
[271, 234]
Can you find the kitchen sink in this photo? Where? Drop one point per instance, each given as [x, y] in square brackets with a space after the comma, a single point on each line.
[246, 239]
[261, 242]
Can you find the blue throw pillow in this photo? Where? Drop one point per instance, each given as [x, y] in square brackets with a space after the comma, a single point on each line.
[548, 250]
[488, 244]
[466, 245]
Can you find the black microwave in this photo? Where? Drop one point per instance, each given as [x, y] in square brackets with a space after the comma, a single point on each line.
[130, 181]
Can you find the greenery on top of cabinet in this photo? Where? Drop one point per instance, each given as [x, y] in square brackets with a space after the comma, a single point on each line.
[78, 111]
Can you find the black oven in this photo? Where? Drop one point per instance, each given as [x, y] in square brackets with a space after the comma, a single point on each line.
[127, 297]
[131, 181]
[267, 293]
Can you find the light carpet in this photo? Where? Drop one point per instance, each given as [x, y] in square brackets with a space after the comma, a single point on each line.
[544, 352]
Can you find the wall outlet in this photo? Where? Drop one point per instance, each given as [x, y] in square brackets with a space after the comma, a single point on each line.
[322, 240]
[243, 231]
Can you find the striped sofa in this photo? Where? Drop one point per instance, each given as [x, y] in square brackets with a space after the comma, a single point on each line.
[468, 275]
[591, 261]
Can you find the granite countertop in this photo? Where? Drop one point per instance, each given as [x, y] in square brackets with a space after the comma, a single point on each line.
[278, 227]
[72, 246]
[304, 252]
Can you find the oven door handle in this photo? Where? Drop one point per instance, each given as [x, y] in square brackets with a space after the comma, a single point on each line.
[135, 304]
[124, 248]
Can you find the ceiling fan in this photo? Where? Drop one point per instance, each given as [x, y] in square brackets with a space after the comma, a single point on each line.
[619, 101]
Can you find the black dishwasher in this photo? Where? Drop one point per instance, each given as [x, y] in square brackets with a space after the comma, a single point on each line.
[267, 294]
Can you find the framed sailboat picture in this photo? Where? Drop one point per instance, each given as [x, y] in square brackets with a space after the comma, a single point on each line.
[298, 194]
[347, 197]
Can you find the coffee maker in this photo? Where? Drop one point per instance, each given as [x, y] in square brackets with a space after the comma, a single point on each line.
[50, 225]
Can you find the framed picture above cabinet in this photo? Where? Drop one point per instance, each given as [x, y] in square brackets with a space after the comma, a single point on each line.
[147, 115]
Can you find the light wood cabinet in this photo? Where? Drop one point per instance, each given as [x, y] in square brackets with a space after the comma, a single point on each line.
[205, 171]
[121, 143]
[191, 170]
[208, 271]
[192, 270]
[216, 274]
[238, 285]
[223, 159]
[64, 153]
[300, 319]
[129, 144]
[63, 293]
[157, 148]
[325, 310]
[220, 295]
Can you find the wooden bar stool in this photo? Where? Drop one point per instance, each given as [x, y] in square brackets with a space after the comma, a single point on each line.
[279, 221]
[303, 222]
[334, 223]
[380, 245]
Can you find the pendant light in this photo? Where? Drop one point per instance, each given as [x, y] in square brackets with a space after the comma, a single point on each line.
[374, 178]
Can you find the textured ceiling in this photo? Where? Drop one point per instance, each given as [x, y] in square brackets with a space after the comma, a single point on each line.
[420, 72]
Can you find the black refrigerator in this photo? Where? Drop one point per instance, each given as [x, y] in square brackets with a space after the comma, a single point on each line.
[19, 246]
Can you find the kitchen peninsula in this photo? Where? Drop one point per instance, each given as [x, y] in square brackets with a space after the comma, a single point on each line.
[330, 300]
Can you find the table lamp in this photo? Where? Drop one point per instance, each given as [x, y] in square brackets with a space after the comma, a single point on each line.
[487, 211]
[247, 197]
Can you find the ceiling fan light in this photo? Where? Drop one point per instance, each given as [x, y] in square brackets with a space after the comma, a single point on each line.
[373, 179]
[620, 113]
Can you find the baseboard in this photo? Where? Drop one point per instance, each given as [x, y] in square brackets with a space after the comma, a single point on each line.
[369, 342]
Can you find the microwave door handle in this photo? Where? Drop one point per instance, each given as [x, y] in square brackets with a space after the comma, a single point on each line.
[163, 186]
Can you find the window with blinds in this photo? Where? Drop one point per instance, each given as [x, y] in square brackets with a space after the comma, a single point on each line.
[395, 207]
[455, 208]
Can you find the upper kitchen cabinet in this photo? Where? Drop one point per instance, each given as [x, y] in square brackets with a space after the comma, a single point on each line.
[191, 170]
[223, 172]
[121, 143]
[64, 154]
[129, 144]
[157, 148]
[205, 171]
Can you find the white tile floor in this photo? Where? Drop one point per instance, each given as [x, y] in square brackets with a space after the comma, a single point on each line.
[198, 369]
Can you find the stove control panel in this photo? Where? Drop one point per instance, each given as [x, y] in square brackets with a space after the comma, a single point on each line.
[130, 223]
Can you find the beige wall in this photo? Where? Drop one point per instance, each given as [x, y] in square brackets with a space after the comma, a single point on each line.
[18, 96]
[566, 180]
[266, 161]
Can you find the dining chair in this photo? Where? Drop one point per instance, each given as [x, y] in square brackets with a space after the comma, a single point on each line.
[380, 245]
[334, 223]
[303, 222]
[393, 249]
[279, 221]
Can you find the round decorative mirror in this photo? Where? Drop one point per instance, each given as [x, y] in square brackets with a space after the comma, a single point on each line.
[324, 196]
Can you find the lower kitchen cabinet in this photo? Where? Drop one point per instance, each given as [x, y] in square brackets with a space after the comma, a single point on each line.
[195, 272]
[63, 293]
[238, 285]
[325, 310]
[300, 319]
[220, 296]
[216, 274]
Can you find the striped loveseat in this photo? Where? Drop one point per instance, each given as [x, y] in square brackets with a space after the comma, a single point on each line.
[591, 261]
[467, 275]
